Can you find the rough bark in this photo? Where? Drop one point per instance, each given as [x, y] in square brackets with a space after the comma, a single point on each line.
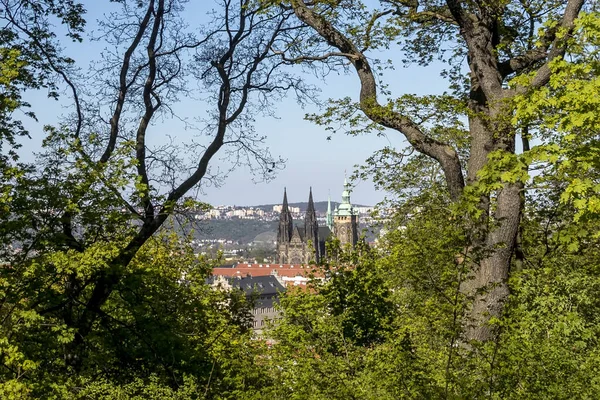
[488, 283]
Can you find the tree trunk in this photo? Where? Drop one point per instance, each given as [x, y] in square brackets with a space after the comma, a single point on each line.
[487, 285]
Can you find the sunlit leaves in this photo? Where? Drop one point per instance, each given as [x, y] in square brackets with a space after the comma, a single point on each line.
[565, 114]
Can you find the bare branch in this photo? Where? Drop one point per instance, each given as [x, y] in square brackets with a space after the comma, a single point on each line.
[123, 85]
[300, 59]
[248, 35]
[52, 62]
[442, 152]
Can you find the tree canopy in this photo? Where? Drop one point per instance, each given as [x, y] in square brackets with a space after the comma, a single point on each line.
[484, 286]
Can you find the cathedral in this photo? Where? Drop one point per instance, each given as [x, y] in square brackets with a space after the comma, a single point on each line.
[305, 244]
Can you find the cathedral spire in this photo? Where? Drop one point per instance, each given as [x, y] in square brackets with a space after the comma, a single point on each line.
[311, 227]
[285, 202]
[311, 204]
[286, 223]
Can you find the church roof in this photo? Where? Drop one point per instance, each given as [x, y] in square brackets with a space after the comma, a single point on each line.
[324, 233]
[299, 232]
[289, 275]
[260, 286]
[245, 269]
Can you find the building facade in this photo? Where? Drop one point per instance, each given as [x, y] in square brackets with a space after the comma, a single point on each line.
[299, 244]
[262, 291]
[345, 220]
[306, 244]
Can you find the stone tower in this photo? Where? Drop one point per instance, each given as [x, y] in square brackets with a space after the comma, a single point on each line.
[311, 231]
[285, 230]
[345, 220]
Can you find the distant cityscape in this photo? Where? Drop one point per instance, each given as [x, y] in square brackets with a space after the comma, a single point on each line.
[271, 212]
[249, 233]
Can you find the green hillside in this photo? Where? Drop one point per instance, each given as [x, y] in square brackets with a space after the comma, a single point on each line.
[238, 230]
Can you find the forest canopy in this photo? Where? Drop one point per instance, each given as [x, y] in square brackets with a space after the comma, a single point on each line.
[486, 284]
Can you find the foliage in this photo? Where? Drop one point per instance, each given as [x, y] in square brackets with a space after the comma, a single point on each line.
[162, 323]
[564, 116]
[93, 295]
[548, 345]
[97, 301]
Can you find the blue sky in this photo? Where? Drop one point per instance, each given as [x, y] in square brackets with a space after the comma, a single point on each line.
[312, 160]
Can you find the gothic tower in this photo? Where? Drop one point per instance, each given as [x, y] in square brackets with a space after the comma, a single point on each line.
[329, 216]
[345, 220]
[284, 232]
[311, 231]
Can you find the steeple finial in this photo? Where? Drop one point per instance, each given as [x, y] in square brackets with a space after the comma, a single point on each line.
[285, 201]
[329, 216]
[286, 223]
[345, 207]
[311, 204]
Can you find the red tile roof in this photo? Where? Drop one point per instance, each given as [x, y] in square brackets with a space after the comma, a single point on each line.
[288, 270]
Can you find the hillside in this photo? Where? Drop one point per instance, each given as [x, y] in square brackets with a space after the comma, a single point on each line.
[243, 231]
[238, 230]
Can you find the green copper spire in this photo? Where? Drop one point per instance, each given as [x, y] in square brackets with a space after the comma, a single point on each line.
[345, 208]
[329, 216]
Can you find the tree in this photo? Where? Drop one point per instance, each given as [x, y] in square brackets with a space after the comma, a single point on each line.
[500, 41]
[21, 69]
[82, 216]
[409, 293]
[547, 341]
[166, 329]
[323, 340]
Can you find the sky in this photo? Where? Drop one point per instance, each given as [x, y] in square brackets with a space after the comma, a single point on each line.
[311, 159]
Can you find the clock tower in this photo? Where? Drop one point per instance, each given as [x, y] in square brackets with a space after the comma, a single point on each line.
[345, 220]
